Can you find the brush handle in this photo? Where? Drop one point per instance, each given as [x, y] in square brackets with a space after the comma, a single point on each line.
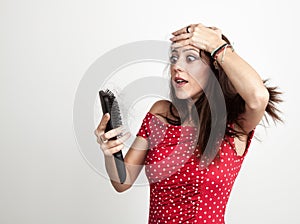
[119, 160]
[118, 156]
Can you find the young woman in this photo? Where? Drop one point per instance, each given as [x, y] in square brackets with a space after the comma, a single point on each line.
[178, 136]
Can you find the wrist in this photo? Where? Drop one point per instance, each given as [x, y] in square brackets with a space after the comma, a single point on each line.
[214, 54]
[219, 55]
[216, 45]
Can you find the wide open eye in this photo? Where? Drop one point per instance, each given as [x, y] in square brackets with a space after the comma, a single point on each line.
[173, 59]
[190, 58]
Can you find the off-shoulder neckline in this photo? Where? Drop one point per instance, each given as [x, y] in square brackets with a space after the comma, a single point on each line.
[170, 125]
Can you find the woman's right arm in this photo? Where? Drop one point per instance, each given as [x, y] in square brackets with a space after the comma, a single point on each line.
[133, 160]
[136, 155]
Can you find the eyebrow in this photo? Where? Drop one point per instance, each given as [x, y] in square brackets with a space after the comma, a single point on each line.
[189, 49]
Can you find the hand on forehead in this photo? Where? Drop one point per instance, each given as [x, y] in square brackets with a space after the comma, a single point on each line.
[180, 47]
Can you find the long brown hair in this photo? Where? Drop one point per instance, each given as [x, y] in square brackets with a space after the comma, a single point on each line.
[206, 107]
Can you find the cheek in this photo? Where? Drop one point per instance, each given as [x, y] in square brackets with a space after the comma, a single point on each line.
[200, 76]
[197, 68]
[172, 70]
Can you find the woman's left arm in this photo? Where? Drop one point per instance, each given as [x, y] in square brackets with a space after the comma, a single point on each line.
[248, 84]
[244, 78]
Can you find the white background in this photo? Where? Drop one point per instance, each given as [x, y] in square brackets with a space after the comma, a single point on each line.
[45, 49]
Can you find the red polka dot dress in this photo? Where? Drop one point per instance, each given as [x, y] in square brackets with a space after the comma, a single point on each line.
[181, 192]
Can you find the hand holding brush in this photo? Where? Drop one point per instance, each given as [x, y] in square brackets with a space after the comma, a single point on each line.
[109, 132]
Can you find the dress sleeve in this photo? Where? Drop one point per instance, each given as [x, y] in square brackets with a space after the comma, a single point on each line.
[144, 130]
[250, 136]
[231, 138]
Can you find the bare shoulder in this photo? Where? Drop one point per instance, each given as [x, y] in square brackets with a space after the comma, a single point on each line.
[160, 107]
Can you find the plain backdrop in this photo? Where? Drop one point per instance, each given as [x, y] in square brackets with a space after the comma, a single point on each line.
[45, 49]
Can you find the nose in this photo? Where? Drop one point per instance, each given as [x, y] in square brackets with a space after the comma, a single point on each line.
[177, 67]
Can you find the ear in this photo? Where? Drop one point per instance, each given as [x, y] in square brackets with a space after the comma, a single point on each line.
[216, 65]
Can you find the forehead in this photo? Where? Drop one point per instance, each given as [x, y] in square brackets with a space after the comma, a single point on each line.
[181, 49]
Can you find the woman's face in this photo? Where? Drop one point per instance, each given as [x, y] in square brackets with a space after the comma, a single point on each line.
[189, 74]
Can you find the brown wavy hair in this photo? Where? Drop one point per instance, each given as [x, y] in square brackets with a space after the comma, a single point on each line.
[207, 107]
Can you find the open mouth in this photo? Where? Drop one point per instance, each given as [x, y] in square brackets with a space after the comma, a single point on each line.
[180, 82]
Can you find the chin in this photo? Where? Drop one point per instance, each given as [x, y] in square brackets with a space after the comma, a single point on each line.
[182, 96]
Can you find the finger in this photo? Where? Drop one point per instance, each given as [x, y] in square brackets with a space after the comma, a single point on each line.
[112, 133]
[213, 27]
[111, 151]
[100, 141]
[116, 149]
[181, 43]
[183, 30]
[119, 141]
[179, 37]
[102, 125]
[96, 133]
[219, 32]
[216, 30]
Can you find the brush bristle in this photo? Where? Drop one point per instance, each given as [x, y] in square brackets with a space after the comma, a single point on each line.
[116, 119]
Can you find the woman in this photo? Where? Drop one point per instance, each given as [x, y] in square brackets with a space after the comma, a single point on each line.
[191, 150]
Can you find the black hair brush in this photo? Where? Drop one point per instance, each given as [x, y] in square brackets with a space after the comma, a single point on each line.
[110, 105]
